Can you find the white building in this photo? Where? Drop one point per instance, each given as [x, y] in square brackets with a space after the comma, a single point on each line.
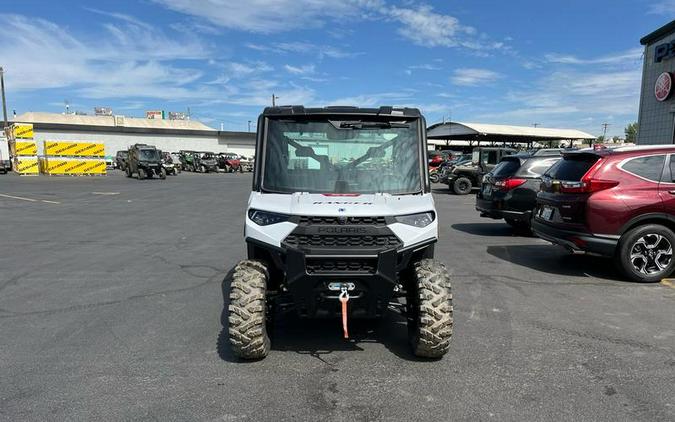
[118, 132]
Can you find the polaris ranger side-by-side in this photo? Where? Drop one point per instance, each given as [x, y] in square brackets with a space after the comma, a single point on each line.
[463, 178]
[144, 160]
[341, 223]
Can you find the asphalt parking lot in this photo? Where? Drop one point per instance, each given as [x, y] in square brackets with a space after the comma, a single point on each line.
[111, 307]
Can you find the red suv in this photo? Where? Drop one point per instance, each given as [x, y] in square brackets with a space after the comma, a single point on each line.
[618, 203]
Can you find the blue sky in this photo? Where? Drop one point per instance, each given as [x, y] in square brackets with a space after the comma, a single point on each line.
[571, 64]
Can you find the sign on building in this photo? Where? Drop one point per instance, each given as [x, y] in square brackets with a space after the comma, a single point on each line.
[663, 86]
[177, 115]
[154, 114]
[103, 111]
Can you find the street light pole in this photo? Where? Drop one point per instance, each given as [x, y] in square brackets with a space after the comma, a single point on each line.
[2, 88]
[249, 125]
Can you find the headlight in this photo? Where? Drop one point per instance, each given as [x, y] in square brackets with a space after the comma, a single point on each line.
[418, 220]
[265, 218]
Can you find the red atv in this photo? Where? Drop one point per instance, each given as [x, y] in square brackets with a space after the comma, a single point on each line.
[229, 162]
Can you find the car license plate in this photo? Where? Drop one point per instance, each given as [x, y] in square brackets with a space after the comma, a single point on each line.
[546, 213]
[487, 190]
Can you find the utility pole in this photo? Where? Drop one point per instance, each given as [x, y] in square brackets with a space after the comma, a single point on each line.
[2, 88]
[274, 100]
[249, 125]
[535, 124]
[604, 130]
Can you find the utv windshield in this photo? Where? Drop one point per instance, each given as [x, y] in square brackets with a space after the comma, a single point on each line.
[342, 156]
[149, 154]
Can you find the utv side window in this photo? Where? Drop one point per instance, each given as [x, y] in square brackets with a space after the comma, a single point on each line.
[649, 168]
[489, 157]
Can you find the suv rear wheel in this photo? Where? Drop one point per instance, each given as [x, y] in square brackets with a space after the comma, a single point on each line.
[462, 186]
[645, 253]
[246, 313]
[429, 309]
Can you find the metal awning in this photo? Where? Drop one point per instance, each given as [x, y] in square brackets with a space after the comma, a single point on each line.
[502, 133]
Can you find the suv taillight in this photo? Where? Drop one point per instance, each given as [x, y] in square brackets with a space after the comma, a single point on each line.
[588, 183]
[508, 184]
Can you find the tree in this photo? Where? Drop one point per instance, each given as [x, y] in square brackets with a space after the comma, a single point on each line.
[631, 132]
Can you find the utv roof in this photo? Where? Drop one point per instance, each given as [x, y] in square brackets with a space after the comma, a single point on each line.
[298, 110]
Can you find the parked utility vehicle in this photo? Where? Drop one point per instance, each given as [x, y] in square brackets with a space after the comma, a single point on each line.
[463, 178]
[144, 161]
[170, 166]
[205, 162]
[229, 162]
[341, 223]
[121, 160]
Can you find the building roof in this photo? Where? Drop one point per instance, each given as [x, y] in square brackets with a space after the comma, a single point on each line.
[38, 118]
[508, 133]
[665, 30]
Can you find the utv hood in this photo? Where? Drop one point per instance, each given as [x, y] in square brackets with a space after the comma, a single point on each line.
[341, 205]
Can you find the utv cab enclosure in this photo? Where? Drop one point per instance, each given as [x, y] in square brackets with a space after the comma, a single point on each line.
[340, 223]
[144, 160]
[463, 178]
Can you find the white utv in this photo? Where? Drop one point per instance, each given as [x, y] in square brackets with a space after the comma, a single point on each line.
[341, 223]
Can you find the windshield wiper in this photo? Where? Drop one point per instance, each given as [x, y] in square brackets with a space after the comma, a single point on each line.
[372, 125]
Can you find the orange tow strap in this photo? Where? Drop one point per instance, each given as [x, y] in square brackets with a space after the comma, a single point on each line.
[344, 298]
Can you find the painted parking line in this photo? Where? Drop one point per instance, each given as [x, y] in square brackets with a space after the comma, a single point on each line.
[669, 282]
[105, 193]
[21, 198]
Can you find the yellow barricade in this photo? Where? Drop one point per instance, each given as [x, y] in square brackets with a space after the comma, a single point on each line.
[72, 166]
[25, 148]
[74, 149]
[22, 131]
[26, 165]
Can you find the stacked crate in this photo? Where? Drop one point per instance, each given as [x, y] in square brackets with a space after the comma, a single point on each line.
[73, 158]
[24, 149]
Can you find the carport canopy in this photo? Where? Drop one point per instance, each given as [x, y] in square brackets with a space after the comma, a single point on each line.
[502, 133]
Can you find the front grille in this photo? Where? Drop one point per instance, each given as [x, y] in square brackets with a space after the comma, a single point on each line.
[369, 221]
[366, 266]
[302, 240]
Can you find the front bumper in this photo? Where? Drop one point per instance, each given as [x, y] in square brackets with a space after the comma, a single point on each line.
[492, 209]
[307, 274]
[574, 240]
